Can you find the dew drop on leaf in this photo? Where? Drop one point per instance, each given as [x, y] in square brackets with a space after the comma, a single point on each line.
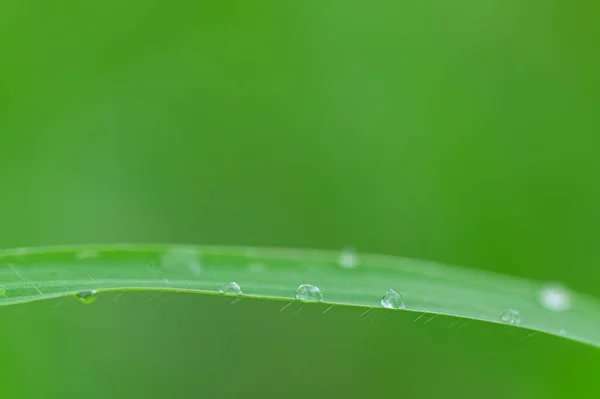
[87, 297]
[555, 297]
[510, 316]
[348, 258]
[392, 300]
[308, 292]
[231, 288]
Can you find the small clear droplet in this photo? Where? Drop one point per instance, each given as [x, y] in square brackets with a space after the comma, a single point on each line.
[348, 259]
[392, 300]
[562, 332]
[510, 316]
[308, 292]
[555, 297]
[231, 288]
[87, 296]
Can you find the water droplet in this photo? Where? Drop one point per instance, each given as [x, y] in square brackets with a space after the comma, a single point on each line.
[392, 300]
[87, 296]
[562, 332]
[555, 297]
[307, 292]
[348, 259]
[510, 316]
[230, 289]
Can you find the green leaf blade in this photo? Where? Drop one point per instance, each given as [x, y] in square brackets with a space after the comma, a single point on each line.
[426, 287]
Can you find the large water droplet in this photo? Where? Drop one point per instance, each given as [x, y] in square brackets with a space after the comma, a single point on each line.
[510, 316]
[87, 296]
[555, 297]
[392, 300]
[231, 288]
[308, 292]
[348, 259]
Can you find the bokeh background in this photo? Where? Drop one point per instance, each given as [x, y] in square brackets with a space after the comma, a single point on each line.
[464, 132]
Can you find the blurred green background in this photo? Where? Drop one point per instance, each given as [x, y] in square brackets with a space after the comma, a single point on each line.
[464, 132]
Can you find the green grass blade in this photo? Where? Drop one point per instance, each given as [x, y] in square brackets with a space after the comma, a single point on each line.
[427, 287]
